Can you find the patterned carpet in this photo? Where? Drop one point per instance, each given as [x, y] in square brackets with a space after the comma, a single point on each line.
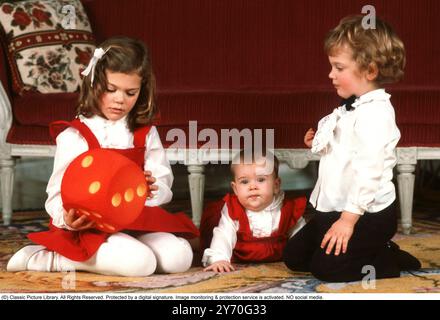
[256, 278]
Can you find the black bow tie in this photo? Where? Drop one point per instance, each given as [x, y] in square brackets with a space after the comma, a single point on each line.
[348, 102]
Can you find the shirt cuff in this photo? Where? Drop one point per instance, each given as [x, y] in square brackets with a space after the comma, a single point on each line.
[161, 196]
[209, 257]
[353, 208]
[60, 223]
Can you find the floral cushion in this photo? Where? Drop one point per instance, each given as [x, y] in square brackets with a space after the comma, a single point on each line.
[49, 43]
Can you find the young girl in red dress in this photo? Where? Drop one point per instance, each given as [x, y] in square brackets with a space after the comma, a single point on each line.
[115, 112]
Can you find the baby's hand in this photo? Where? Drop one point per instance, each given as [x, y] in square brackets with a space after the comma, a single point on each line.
[76, 221]
[151, 187]
[308, 138]
[220, 266]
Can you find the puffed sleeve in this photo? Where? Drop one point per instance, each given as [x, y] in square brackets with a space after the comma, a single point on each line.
[223, 240]
[157, 162]
[70, 144]
[373, 131]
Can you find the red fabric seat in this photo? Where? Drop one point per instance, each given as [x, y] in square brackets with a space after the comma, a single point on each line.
[289, 113]
[249, 64]
[36, 109]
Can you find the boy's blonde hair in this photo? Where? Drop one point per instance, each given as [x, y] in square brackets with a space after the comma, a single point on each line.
[241, 158]
[380, 46]
[126, 55]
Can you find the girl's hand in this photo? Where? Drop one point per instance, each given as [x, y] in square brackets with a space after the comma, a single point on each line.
[76, 221]
[308, 138]
[340, 233]
[151, 187]
[220, 266]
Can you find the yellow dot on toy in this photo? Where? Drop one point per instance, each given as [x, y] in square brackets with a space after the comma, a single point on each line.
[129, 195]
[94, 187]
[87, 161]
[116, 199]
[141, 189]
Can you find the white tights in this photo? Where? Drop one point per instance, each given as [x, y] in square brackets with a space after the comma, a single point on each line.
[124, 255]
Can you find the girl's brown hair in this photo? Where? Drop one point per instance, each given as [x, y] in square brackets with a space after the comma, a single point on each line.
[380, 46]
[126, 55]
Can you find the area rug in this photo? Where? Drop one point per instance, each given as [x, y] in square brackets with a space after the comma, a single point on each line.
[250, 278]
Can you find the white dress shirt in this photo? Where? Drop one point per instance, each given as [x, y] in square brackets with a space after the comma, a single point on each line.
[110, 134]
[358, 154]
[262, 224]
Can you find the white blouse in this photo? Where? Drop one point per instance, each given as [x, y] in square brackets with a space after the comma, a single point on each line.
[262, 224]
[358, 154]
[110, 134]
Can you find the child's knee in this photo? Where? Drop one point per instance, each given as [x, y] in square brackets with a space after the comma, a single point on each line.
[140, 264]
[124, 255]
[295, 257]
[328, 267]
[295, 263]
[177, 260]
[173, 254]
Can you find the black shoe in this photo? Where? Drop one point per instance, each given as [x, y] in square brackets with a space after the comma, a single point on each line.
[405, 260]
[392, 245]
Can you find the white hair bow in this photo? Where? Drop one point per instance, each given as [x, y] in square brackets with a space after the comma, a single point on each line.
[99, 52]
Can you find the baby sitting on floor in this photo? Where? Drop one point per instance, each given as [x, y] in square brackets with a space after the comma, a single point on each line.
[254, 223]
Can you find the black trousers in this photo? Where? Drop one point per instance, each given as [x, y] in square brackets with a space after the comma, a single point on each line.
[367, 247]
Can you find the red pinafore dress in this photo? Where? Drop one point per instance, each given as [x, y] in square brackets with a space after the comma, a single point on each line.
[249, 248]
[82, 245]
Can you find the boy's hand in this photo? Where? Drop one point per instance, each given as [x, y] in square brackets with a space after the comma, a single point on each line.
[220, 266]
[340, 233]
[151, 187]
[76, 221]
[308, 138]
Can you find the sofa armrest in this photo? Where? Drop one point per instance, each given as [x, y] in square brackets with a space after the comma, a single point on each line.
[4, 71]
[5, 124]
[5, 102]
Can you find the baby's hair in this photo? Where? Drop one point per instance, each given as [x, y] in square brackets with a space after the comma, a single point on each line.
[380, 46]
[241, 158]
[126, 55]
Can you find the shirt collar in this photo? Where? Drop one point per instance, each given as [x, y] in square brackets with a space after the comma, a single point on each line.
[97, 120]
[378, 94]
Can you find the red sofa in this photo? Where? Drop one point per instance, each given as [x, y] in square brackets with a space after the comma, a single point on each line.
[253, 64]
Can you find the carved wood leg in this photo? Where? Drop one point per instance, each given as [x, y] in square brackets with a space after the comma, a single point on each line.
[7, 184]
[196, 181]
[406, 165]
[405, 179]
[7, 163]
